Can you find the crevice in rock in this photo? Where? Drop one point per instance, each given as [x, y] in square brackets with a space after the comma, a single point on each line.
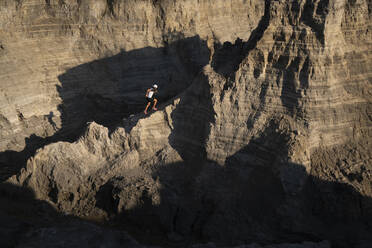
[105, 199]
[53, 193]
[313, 15]
[228, 57]
[110, 7]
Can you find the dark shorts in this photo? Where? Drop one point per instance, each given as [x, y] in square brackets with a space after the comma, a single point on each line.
[149, 99]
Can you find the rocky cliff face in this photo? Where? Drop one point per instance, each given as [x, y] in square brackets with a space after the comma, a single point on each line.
[263, 132]
[68, 62]
[68, 57]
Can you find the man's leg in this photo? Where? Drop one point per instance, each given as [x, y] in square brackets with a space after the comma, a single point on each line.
[147, 106]
[154, 107]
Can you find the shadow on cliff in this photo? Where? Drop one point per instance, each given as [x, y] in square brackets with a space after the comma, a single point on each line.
[11, 161]
[191, 121]
[244, 202]
[106, 90]
[21, 212]
[256, 196]
[228, 57]
[110, 89]
[28, 222]
[313, 15]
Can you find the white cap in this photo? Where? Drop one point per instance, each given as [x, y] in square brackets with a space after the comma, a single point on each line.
[155, 86]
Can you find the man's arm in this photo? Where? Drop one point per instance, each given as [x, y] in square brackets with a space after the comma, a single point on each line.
[147, 92]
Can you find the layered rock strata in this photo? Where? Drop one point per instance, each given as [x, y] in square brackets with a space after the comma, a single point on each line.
[64, 63]
[265, 137]
[52, 74]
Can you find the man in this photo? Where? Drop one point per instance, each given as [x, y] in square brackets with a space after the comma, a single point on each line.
[150, 93]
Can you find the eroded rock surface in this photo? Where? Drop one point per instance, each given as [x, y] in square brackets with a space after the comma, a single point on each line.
[66, 62]
[263, 132]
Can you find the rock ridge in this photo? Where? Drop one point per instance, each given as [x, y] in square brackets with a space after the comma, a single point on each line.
[263, 132]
